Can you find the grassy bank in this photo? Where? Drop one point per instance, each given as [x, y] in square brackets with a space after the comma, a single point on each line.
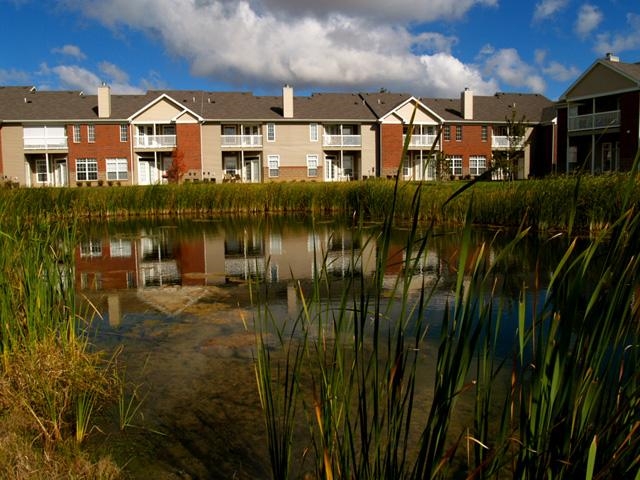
[51, 384]
[553, 203]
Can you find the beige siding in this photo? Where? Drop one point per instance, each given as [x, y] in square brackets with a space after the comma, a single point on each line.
[600, 81]
[369, 142]
[292, 144]
[13, 153]
[161, 112]
[404, 113]
[211, 152]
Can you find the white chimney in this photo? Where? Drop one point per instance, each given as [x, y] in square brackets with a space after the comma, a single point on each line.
[104, 101]
[612, 58]
[466, 104]
[287, 101]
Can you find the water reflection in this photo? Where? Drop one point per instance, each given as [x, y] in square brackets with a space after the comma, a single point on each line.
[174, 293]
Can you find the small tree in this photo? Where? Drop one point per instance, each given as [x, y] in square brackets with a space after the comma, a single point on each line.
[178, 168]
[506, 161]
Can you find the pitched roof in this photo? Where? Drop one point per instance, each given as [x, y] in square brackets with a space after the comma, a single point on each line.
[494, 108]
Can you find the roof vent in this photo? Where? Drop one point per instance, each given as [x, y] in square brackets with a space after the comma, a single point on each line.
[612, 58]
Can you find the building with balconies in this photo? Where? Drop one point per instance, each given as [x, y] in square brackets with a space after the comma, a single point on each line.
[598, 118]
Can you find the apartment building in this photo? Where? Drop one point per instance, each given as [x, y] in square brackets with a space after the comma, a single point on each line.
[599, 118]
[66, 138]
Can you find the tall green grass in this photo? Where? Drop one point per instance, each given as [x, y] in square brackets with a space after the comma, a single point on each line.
[564, 404]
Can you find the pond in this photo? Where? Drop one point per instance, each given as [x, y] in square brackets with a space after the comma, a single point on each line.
[173, 298]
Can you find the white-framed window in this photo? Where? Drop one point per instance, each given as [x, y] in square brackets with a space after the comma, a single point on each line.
[119, 248]
[92, 248]
[86, 169]
[274, 165]
[477, 165]
[271, 132]
[458, 133]
[447, 133]
[76, 134]
[455, 164]
[42, 176]
[484, 133]
[312, 165]
[313, 132]
[91, 133]
[117, 169]
[124, 132]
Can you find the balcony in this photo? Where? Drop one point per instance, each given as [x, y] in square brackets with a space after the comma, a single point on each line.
[45, 143]
[251, 141]
[342, 140]
[594, 121]
[421, 141]
[155, 141]
[504, 141]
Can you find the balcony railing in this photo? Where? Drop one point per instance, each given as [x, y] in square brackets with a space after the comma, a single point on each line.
[421, 140]
[45, 143]
[155, 141]
[241, 140]
[342, 140]
[504, 141]
[595, 121]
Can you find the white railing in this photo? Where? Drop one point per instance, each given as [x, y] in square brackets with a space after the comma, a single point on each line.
[595, 120]
[241, 140]
[421, 140]
[504, 141]
[155, 141]
[342, 140]
[45, 143]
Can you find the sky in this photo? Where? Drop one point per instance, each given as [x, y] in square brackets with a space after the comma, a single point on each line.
[427, 48]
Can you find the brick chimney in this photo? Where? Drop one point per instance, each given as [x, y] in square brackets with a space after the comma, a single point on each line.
[287, 101]
[104, 101]
[466, 104]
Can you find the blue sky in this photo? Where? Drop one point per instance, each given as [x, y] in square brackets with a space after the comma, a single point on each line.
[432, 48]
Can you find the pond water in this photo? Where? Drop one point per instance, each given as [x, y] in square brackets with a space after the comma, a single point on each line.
[173, 295]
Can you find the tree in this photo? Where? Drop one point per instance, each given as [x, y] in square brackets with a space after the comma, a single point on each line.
[506, 161]
[178, 168]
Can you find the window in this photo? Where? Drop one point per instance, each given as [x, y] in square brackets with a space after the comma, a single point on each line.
[119, 248]
[274, 165]
[477, 165]
[91, 133]
[124, 132]
[41, 171]
[117, 169]
[86, 169]
[76, 134]
[447, 133]
[92, 248]
[312, 165]
[458, 133]
[313, 132]
[484, 135]
[271, 132]
[455, 165]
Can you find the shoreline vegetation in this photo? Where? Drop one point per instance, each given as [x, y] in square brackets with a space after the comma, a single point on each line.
[580, 202]
[571, 410]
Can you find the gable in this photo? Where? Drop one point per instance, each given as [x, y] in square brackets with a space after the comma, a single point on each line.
[600, 80]
[403, 113]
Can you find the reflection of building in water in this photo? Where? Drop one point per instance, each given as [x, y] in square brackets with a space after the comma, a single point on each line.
[244, 255]
[157, 265]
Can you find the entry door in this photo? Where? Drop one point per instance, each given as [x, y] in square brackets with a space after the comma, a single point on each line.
[60, 173]
[252, 170]
[331, 169]
[144, 172]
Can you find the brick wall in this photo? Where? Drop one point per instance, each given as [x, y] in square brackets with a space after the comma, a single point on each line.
[471, 144]
[188, 138]
[390, 149]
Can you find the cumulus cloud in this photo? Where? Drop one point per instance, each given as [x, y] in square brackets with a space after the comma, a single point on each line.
[548, 8]
[70, 51]
[262, 43]
[75, 77]
[14, 76]
[620, 42]
[589, 17]
[507, 65]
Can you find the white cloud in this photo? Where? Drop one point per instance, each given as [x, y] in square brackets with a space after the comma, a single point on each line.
[114, 73]
[245, 45]
[548, 8]
[561, 73]
[74, 77]
[620, 42]
[14, 77]
[71, 51]
[589, 17]
[509, 68]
